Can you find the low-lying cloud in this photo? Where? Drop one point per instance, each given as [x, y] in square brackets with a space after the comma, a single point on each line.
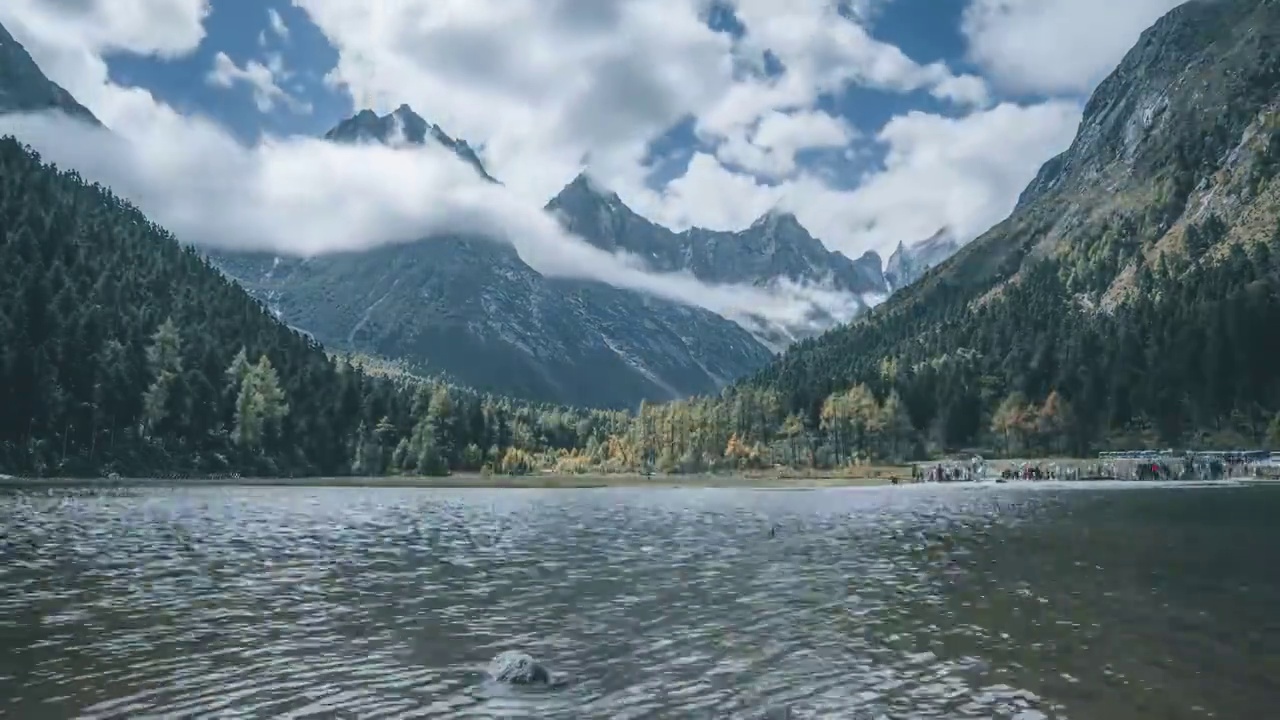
[301, 196]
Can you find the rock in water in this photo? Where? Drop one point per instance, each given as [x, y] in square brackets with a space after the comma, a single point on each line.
[518, 668]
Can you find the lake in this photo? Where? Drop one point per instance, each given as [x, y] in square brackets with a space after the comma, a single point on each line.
[1055, 601]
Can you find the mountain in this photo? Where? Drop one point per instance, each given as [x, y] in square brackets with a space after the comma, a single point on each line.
[1130, 296]
[774, 247]
[474, 311]
[402, 126]
[24, 87]
[909, 263]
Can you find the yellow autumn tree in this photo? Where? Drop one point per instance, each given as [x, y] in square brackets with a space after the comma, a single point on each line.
[1012, 420]
[1052, 422]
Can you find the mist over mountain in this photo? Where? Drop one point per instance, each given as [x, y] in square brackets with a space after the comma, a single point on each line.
[682, 319]
[471, 309]
[400, 127]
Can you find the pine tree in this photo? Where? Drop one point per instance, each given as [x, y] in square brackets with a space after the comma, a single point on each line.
[164, 360]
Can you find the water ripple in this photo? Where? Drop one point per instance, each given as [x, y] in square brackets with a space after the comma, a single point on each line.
[300, 603]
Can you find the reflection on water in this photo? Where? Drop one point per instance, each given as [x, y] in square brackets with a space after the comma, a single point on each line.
[878, 603]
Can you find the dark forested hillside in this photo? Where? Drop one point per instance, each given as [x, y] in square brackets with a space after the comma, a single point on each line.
[1132, 297]
[122, 351]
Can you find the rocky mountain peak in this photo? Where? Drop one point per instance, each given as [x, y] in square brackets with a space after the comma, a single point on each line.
[870, 257]
[584, 190]
[777, 218]
[1205, 59]
[908, 262]
[402, 126]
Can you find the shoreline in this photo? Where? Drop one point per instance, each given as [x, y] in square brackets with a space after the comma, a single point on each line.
[745, 481]
[472, 480]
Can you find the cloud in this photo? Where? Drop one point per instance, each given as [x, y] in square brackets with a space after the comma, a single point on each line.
[964, 173]
[277, 24]
[1055, 46]
[260, 78]
[541, 84]
[823, 52]
[303, 196]
[769, 148]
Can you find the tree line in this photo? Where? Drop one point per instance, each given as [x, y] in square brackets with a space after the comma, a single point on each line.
[123, 351]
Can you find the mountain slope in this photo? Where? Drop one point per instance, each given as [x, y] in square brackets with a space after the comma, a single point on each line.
[24, 88]
[474, 311]
[774, 247]
[1137, 279]
[92, 378]
[123, 352]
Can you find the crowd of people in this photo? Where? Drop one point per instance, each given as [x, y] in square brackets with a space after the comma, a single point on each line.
[1143, 466]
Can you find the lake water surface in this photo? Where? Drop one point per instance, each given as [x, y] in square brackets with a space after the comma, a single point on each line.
[1095, 603]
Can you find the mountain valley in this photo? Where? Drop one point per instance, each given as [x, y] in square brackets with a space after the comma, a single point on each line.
[475, 312]
[1127, 300]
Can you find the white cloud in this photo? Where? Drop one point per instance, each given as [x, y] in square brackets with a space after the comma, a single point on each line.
[541, 84]
[824, 52]
[277, 24]
[964, 173]
[304, 196]
[769, 149]
[260, 78]
[1056, 46]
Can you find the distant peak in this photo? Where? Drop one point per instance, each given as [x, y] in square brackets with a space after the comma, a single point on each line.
[777, 216]
[402, 126]
[406, 112]
[369, 120]
[583, 185]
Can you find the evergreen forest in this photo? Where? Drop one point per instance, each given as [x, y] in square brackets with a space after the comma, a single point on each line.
[122, 351]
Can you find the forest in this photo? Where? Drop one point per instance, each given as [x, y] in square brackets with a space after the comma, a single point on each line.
[121, 351]
[1188, 358]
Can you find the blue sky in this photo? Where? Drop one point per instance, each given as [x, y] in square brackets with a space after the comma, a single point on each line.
[238, 28]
